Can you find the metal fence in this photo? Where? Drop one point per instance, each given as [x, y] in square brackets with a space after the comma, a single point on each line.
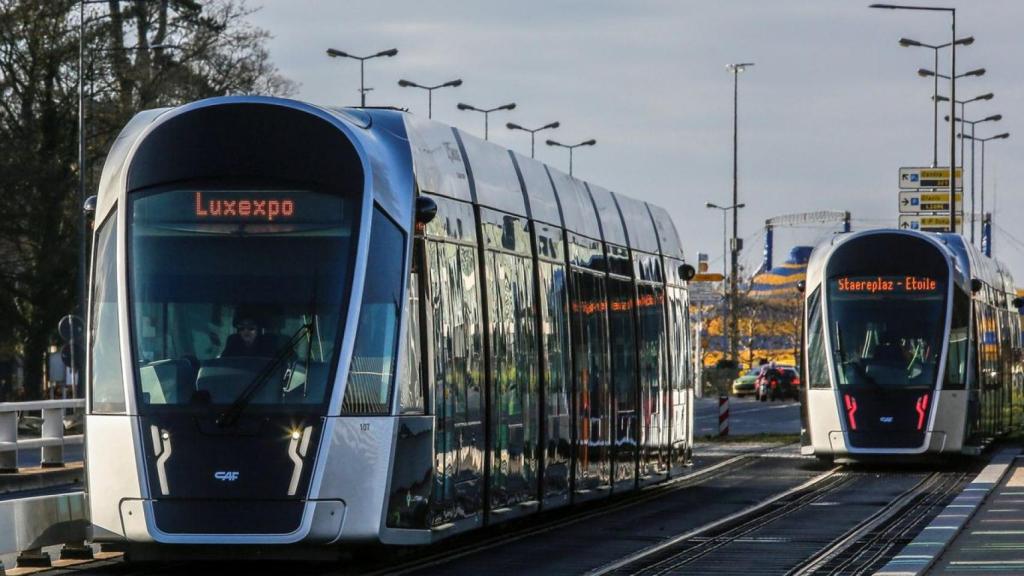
[51, 439]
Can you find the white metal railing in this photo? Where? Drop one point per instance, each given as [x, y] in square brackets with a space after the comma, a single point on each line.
[51, 440]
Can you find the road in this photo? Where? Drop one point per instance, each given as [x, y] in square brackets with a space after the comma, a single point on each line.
[747, 416]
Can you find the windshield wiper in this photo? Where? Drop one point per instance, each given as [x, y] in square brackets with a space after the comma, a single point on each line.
[231, 415]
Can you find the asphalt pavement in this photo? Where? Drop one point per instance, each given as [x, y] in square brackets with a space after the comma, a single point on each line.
[747, 417]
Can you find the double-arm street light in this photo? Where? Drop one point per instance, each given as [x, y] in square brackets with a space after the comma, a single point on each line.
[532, 131]
[906, 43]
[362, 67]
[486, 112]
[725, 235]
[962, 121]
[973, 139]
[735, 252]
[571, 147]
[430, 91]
[952, 98]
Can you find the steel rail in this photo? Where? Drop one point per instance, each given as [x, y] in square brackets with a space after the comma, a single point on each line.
[740, 523]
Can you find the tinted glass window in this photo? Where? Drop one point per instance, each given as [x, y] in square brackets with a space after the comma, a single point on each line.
[959, 331]
[373, 360]
[105, 379]
[410, 400]
[233, 288]
[593, 394]
[887, 330]
[817, 364]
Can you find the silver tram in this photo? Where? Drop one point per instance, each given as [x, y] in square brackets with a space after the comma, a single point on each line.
[313, 326]
[912, 347]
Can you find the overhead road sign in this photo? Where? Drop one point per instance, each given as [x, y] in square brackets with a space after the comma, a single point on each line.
[915, 201]
[914, 178]
[927, 222]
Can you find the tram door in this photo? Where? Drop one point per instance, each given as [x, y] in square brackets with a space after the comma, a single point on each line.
[514, 410]
[458, 370]
[592, 387]
[654, 397]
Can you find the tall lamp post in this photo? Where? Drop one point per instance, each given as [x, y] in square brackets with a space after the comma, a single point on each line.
[532, 131]
[906, 43]
[1002, 136]
[963, 108]
[952, 99]
[486, 112]
[973, 123]
[734, 272]
[571, 147]
[725, 234]
[362, 67]
[430, 91]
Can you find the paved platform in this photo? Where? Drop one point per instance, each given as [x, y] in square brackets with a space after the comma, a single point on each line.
[993, 540]
[960, 538]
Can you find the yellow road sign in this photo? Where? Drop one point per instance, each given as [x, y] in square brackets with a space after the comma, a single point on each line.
[708, 277]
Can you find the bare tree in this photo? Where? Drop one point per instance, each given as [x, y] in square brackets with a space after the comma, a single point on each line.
[137, 55]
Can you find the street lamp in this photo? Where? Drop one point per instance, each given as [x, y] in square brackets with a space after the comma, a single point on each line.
[973, 139]
[952, 97]
[430, 91]
[906, 43]
[993, 118]
[486, 112]
[733, 323]
[362, 67]
[571, 147]
[532, 131]
[725, 234]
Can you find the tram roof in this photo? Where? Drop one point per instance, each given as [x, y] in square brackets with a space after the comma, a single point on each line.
[970, 262]
[452, 163]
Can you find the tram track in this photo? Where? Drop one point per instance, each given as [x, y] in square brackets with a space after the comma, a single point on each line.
[885, 509]
[864, 548]
[672, 554]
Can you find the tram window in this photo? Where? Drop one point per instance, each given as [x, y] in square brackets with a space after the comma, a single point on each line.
[956, 356]
[106, 378]
[556, 338]
[410, 398]
[817, 369]
[218, 299]
[887, 331]
[371, 372]
[650, 304]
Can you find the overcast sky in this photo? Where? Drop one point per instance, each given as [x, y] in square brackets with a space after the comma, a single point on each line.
[831, 110]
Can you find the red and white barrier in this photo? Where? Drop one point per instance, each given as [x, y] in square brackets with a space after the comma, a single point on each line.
[723, 415]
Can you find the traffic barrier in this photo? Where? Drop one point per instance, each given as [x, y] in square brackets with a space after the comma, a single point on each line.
[51, 441]
[723, 415]
[27, 525]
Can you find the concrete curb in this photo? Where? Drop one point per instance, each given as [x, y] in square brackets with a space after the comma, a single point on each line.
[917, 557]
[41, 479]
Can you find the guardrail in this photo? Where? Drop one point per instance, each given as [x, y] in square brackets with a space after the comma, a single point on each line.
[51, 440]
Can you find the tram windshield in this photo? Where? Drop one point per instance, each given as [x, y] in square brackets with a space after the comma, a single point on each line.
[238, 293]
[886, 331]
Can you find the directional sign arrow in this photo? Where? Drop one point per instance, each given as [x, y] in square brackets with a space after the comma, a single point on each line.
[905, 202]
[904, 225]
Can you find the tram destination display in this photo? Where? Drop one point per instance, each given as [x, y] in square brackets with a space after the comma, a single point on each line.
[885, 284]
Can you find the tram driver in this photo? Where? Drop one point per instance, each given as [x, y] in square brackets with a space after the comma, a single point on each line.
[248, 339]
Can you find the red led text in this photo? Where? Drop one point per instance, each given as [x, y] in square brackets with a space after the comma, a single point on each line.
[248, 208]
